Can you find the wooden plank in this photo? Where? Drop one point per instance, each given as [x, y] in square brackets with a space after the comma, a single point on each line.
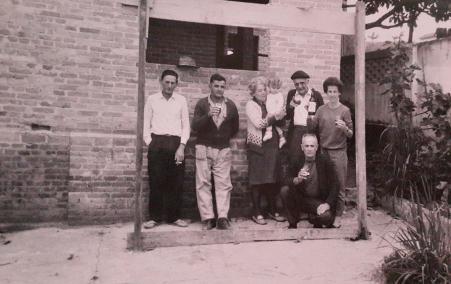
[360, 119]
[154, 239]
[271, 16]
[143, 9]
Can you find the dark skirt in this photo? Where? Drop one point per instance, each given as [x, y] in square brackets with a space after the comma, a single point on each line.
[264, 163]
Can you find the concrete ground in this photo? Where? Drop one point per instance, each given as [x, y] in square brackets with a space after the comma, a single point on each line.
[98, 254]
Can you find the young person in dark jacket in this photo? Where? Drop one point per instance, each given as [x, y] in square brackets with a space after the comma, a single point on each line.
[312, 187]
[215, 122]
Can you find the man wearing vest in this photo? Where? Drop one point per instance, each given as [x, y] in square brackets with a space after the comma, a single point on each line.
[302, 102]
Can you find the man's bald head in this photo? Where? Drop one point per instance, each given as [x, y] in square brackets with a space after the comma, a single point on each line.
[309, 145]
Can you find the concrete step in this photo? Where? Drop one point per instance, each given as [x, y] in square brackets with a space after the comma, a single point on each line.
[242, 230]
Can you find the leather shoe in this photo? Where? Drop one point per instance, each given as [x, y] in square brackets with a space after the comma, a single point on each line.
[209, 224]
[277, 217]
[223, 224]
[292, 226]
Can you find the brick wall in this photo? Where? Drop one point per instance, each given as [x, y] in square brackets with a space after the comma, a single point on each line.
[68, 84]
[34, 176]
[69, 69]
[317, 54]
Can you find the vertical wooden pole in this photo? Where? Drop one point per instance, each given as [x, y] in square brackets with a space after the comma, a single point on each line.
[363, 232]
[143, 9]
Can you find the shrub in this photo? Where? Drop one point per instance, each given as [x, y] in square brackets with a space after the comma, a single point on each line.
[424, 255]
[412, 151]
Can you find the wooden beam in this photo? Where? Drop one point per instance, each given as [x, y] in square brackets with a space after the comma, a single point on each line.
[360, 118]
[154, 239]
[143, 9]
[270, 16]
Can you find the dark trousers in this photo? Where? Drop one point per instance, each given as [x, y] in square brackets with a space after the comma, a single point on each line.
[295, 203]
[270, 191]
[165, 178]
[295, 140]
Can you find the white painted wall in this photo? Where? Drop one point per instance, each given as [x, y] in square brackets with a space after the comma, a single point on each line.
[434, 57]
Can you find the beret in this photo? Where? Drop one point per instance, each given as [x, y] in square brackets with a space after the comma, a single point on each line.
[299, 75]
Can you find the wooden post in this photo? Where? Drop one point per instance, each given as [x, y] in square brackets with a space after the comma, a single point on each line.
[143, 9]
[363, 232]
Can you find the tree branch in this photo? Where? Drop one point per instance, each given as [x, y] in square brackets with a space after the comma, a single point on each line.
[392, 26]
[378, 22]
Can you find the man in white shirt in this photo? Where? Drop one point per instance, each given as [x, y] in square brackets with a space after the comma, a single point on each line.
[166, 131]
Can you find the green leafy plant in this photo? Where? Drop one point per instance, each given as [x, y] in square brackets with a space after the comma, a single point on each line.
[424, 252]
[414, 160]
[413, 151]
[436, 117]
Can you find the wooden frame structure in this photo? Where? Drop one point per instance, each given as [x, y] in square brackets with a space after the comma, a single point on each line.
[230, 13]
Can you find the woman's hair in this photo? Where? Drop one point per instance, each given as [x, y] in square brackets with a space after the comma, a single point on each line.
[255, 82]
[275, 83]
[333, 81]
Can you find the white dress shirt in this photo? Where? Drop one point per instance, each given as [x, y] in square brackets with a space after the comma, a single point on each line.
[301, 110]
[166, 117]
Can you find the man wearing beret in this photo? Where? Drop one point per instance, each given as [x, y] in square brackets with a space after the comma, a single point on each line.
[302, 102]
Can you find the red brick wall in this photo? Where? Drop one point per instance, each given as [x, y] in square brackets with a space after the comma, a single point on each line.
[70, 66]
[34, 176]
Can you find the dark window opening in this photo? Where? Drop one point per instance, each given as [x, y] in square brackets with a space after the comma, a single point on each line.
[211, 46]
[237, 51]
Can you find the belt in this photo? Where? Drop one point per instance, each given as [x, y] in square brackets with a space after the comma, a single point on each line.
[164, 135]
[339, 149]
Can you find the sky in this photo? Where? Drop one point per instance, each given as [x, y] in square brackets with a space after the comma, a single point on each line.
[425, 25]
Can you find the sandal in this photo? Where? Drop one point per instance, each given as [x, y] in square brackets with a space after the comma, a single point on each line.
[150, 224]
[277, 217]
[180, 223]
[259, 220]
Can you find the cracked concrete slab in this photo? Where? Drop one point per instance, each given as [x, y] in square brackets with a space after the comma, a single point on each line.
[98, 254]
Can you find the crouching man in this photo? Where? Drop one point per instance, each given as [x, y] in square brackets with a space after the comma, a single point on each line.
[312, 187]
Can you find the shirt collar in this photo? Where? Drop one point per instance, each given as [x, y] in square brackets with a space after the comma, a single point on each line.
[171, 98]
[309, 93]
[212, 103]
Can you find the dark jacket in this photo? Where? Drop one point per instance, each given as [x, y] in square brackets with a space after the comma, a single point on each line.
[290, 111]
[206, 131]
[327, 178]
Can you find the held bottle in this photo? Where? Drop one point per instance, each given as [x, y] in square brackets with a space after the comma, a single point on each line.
[311, 106]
